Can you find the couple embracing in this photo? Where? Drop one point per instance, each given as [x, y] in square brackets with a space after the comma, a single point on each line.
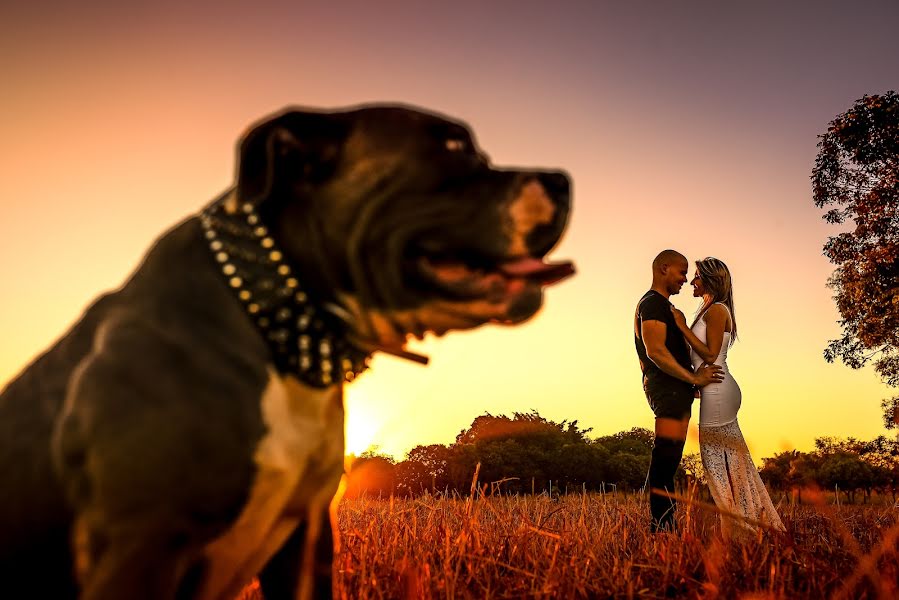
[680, 362]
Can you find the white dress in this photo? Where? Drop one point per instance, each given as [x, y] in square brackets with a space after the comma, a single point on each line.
[733, 479]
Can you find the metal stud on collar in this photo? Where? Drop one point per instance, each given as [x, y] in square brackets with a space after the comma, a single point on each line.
[304, 339]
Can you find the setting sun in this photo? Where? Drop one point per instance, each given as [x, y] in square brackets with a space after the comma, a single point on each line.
[361, 428]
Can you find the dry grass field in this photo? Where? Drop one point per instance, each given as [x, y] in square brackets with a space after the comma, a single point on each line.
[597, 546]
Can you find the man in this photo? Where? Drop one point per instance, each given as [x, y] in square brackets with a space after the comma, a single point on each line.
[668, 380]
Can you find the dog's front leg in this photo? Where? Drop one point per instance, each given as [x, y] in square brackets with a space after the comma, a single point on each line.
[302, 568]
[138, 565]
[151, 475]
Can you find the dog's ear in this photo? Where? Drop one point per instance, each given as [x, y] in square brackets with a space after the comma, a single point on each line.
[293, 151]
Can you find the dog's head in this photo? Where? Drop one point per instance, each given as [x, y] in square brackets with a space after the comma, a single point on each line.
[397, 216]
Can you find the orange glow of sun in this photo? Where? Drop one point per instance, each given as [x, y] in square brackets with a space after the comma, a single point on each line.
[361, 429]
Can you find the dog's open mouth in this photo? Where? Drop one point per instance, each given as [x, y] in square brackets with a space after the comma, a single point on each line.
[537, 270]
[496, 283]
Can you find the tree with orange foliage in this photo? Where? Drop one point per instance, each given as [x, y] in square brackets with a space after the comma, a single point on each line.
[857, 171]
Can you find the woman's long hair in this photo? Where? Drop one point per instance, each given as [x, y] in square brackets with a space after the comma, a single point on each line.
[718, 287]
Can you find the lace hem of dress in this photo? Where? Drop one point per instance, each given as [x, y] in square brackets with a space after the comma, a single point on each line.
[734, 481]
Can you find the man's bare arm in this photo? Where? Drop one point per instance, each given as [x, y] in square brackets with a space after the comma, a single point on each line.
[653, 333]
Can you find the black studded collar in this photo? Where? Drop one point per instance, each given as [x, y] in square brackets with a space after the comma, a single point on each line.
[305, 339]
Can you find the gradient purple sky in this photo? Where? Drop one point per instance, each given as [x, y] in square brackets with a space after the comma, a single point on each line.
[684, 124]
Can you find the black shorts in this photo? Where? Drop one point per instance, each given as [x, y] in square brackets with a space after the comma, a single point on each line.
[669, 403]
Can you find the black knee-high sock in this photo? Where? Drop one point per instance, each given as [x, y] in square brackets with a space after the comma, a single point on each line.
[666, 456]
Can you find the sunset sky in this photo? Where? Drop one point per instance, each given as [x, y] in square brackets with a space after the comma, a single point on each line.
[689, 125]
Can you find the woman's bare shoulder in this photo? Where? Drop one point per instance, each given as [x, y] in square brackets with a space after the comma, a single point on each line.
[716, 311]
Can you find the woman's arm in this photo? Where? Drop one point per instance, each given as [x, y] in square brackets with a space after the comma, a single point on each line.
[716, 322]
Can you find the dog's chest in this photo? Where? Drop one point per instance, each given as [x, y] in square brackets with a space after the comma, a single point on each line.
[299, 464]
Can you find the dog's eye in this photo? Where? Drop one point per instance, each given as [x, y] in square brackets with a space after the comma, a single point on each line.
[456, 145]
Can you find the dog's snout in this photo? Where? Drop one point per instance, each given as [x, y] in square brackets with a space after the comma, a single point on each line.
[556, 183]
[543, 237]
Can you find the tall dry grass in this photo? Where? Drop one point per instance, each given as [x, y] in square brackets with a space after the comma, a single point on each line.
[588, 546]
[598, 546]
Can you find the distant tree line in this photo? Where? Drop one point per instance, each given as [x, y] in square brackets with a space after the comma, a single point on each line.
[529, 454]
[525, 453]
[845, 466]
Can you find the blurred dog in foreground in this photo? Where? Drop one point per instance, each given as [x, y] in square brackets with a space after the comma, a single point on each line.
[186, 435]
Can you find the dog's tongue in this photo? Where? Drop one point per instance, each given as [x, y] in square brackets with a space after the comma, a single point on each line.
[532, 268]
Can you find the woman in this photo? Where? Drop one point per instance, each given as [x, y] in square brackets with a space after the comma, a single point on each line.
[733, 478]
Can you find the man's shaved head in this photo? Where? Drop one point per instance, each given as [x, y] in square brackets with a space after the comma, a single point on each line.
[669, 272]
[667, 257]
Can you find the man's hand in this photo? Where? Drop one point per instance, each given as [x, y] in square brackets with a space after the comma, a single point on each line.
[707, 374]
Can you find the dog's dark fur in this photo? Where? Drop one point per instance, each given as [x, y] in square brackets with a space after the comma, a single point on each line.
[154, 452]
